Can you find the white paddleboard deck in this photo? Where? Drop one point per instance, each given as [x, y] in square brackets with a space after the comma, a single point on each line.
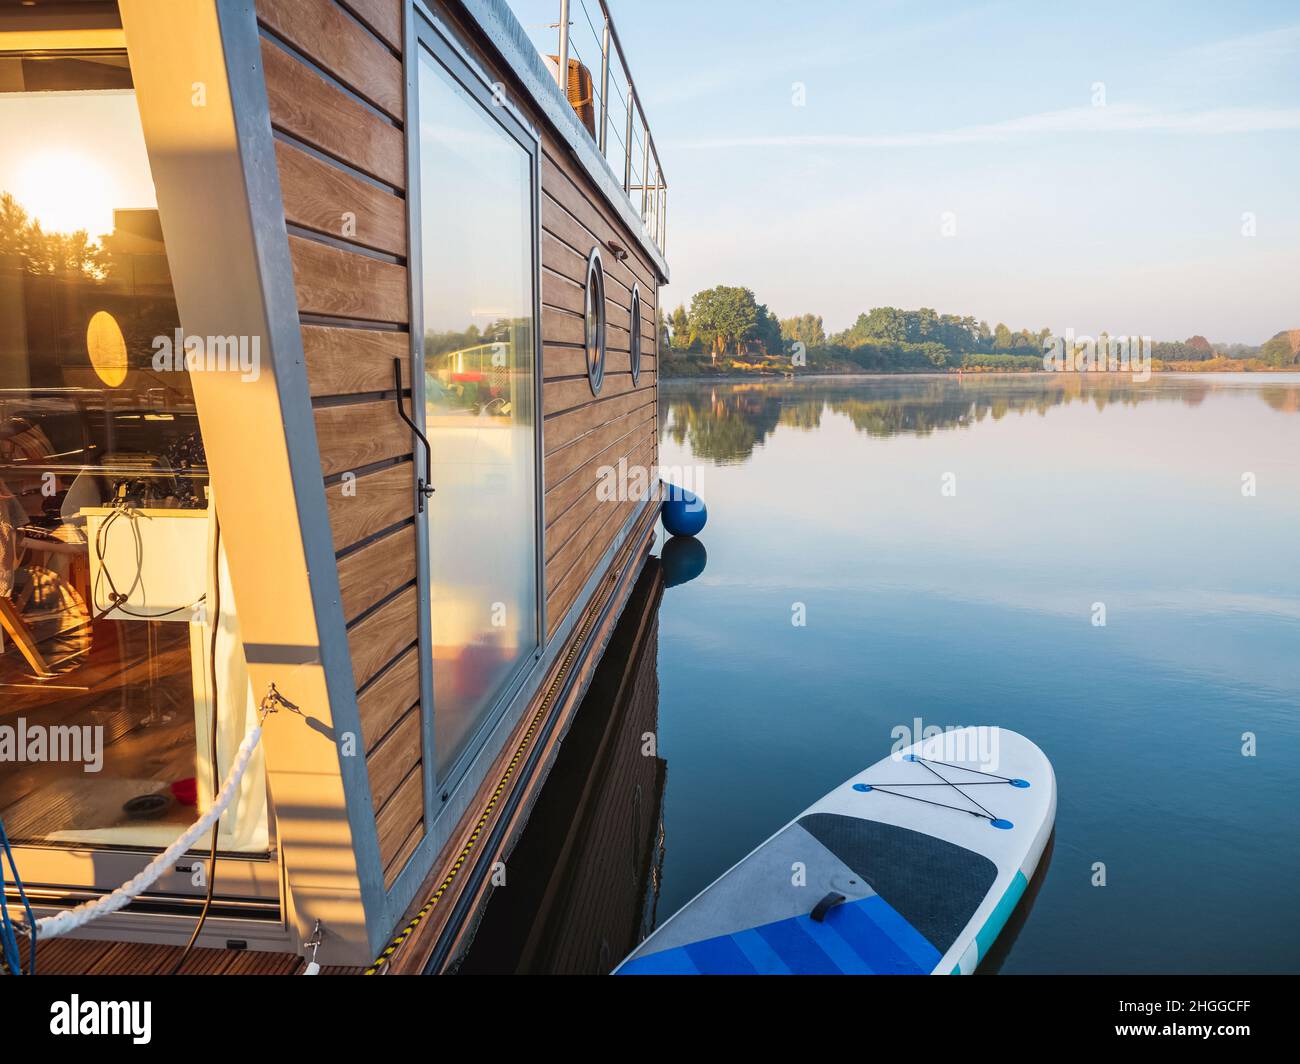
[911, 867]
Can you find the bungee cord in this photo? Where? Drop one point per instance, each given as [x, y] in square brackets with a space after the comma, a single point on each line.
[979, 811]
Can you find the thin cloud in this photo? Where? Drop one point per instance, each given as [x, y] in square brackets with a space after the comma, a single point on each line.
[1117, 118]
[714, 79]
[1247, 53]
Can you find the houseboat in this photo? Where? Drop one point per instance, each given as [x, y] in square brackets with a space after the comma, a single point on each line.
[322, 324]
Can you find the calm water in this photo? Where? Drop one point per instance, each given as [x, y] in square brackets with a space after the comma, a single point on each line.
[977, 608]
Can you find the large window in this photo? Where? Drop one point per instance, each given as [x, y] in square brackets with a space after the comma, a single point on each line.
[476, 185]
[117, 635]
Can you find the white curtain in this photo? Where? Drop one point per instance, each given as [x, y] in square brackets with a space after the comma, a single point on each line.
[244, 826]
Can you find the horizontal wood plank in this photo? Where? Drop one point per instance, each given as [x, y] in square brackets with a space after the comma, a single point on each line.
[562, 395]
[356, 435]
[400, 815]
[305, 105]
[559, 362]
[563, 327]
[351, 361]
[560, 259]
[561, 596]
[593, 501]
[557, 233]
[562, 181]
[383, 636]
[382, 16]
[337, 43]
[585, 547]
[347, 284]
[389, 697]
[373, 572]
[327, 199]
[392, 760]
[562, 429]
[601, 447]
[404, 852]
[559, 291]
[369, 504]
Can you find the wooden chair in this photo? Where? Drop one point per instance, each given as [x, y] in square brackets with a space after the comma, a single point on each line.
[11, 615]
[12, 622]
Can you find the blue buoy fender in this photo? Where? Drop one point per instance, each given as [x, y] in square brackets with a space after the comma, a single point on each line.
[683, 512]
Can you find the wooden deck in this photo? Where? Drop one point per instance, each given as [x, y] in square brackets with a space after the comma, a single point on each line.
[78, 956]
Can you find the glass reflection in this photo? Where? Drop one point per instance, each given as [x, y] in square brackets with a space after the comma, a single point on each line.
[476, 206]
[112, 650]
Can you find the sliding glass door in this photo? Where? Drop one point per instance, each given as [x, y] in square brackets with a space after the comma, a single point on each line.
[119, 637]
[477, 197]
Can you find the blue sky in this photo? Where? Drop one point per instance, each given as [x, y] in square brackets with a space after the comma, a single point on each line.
[1125, 217]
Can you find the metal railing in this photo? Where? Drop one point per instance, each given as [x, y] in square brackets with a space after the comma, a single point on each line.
[631, 151]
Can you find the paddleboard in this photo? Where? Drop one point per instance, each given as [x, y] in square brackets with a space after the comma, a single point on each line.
[911, 867]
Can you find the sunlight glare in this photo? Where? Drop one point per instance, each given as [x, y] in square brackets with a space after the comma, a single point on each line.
[66, 191]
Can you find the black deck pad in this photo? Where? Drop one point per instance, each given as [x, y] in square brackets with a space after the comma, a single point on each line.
[935, 886]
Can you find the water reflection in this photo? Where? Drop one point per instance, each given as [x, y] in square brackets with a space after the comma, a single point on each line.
[725, 423]
[1006, 940]
[583, 883]
[683, 558]
[1173, 503]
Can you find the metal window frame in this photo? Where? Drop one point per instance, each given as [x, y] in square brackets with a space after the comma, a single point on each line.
[433, 38]
[596, 370]
[634, 334]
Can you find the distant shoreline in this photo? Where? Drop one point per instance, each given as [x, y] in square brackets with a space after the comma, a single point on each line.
[740, 378]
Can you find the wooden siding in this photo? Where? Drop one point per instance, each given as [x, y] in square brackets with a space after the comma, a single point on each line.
[336, 90]
[583, 433]
[578, 439]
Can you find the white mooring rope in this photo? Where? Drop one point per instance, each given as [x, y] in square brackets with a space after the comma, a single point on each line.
[71, 919]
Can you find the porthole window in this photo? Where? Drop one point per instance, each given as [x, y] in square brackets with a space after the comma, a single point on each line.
[635, 334]
[595, 321]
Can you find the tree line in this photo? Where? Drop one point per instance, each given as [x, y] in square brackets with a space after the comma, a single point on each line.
[730, 321]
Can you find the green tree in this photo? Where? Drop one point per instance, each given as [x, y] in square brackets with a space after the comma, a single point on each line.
[883, 323]
[767, 331]
[1283, 350]
[725, 317]
[681, 327]
[806, 329]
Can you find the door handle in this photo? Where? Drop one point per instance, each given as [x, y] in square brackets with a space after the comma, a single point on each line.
[424, 485]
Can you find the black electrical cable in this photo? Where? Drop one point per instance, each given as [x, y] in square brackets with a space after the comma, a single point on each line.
[216, 774]
[115, 597]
